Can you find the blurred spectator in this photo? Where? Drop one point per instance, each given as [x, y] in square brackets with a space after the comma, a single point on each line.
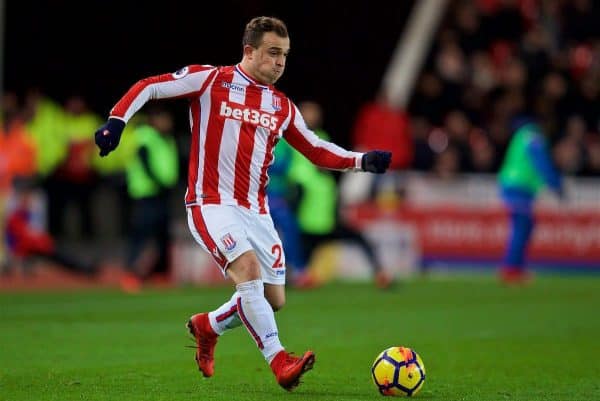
[586, 100]
[581, 20]
[503, 14]
[317, 209]
[429, 99]
[73, 181]
[569, 151]
[17, 149]
[483, 77]
[514, 75]
[379, 126]
[27, 240]
[457, 127]
[151, 176]
[526, 170]
[450, 65]
[424, 154]
[592, 166]
[551, 103]
[111, 173]
[489, 73]
[45, 120]
[450, 62]
[283, 196]
[468, 26]
[548, 29]
[17, 156]
[535, 51]
[447, 163]
[282, 199]
[567, 154]
[482, 153]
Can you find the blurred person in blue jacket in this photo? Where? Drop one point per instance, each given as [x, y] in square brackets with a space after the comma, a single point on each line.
[312, 218]
[282, 193]
[527, 168]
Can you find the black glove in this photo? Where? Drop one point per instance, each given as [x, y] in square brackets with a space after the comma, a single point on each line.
[108, 136]
[376, 161]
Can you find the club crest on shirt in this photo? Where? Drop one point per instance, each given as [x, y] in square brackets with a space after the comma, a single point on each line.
[228, 241]
[181, 72]
[276, 103]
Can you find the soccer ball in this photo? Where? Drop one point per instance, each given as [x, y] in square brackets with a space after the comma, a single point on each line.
[398, 371]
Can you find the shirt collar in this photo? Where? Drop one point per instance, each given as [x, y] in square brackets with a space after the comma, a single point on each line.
[247, 77]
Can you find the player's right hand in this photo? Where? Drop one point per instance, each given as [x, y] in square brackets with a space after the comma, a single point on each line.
[108, 136]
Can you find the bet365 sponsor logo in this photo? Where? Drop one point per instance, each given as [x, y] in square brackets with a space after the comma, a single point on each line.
[249, 116]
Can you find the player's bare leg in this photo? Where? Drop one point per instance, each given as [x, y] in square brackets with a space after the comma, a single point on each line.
[275, 294]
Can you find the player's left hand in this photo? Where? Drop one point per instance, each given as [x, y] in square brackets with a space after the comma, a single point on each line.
[108, 136]
[376, 161]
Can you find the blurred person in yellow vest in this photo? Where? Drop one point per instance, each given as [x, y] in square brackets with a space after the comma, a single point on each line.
[45, 119]
[73, 181]
[117, 163]
[110, 172]
[77, 165]
[17, 156]
[151, 175]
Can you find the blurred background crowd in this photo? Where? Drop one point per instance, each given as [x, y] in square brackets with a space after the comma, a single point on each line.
[492, 62]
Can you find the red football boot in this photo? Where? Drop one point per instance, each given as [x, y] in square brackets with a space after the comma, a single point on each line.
[130, 283]
[383, 280]
[515, 276]
[206, 340]
[288, 368]
[305, 281]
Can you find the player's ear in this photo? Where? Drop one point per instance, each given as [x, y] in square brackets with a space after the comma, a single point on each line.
[248, 51]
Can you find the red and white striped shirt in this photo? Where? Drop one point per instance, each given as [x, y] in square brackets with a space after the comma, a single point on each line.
[235, 123]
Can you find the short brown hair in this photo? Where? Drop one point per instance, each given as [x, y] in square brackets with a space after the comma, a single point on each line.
[258, 26]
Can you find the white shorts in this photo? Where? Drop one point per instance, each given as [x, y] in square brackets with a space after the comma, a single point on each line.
[227, 231]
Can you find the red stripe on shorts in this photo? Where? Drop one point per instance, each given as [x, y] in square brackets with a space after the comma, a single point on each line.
[200, 225]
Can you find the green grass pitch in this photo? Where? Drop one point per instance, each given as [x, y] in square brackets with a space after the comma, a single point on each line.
[479, 341]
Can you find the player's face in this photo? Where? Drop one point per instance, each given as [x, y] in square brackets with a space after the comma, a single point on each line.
[267, 62]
